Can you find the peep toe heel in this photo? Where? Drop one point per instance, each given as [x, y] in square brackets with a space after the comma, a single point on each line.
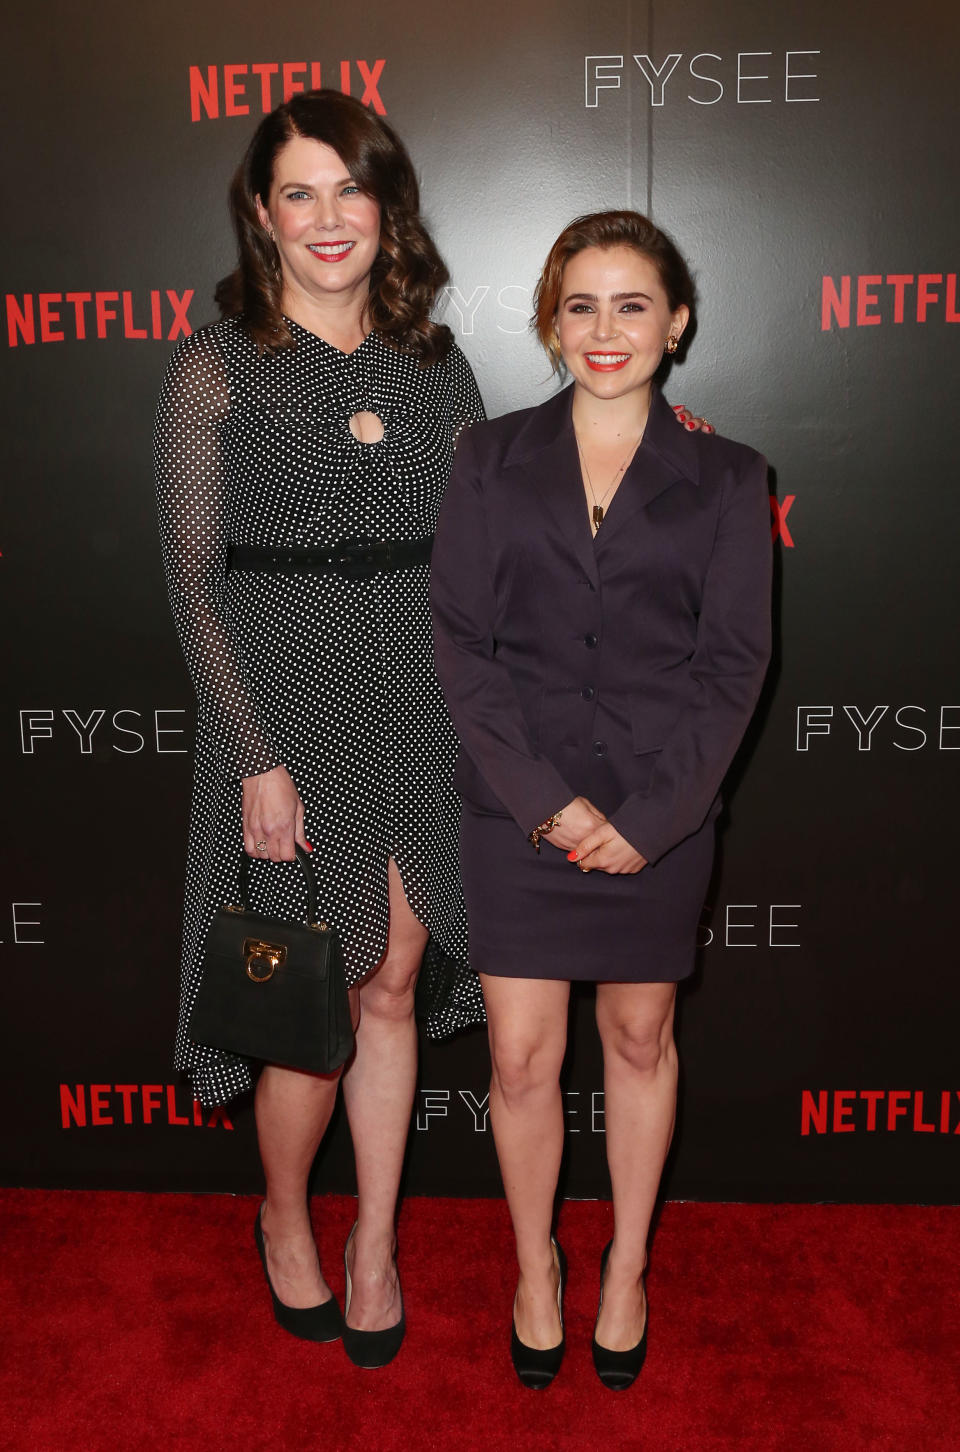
[537, 1367]
[618, 1369]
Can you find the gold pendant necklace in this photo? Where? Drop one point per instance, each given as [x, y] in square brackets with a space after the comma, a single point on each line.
[597, 512]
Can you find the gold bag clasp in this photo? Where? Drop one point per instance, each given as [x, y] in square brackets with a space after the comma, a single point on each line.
[263, 959]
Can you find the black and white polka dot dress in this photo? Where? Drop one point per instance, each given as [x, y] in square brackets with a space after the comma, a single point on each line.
[331, 677]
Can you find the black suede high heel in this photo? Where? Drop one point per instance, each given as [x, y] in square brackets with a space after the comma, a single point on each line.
[618, 1369]
[370, 1349]
[310, 1323]
[535, 1367]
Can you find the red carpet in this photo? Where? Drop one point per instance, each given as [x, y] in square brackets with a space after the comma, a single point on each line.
[142, 1321]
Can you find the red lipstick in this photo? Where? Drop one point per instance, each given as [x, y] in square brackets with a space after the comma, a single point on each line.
[331, 257]
[617, 361]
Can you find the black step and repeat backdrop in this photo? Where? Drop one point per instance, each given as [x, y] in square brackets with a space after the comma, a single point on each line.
[804, 157]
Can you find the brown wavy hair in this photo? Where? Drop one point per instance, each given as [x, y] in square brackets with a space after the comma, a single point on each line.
[604, 230]
[408, 271]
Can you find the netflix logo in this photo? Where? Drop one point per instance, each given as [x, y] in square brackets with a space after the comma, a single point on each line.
[59, 317]
[847, 1111]
[905, 728]
[872, 298]
[85, 733]
[93, 1105]
[238, 90]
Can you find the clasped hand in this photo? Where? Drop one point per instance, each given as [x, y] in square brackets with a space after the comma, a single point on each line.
[584, 833]
[272, 816]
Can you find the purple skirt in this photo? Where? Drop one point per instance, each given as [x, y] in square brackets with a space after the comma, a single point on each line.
[536, 916]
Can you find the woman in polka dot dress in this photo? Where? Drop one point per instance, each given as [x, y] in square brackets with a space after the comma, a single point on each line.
[322, 413]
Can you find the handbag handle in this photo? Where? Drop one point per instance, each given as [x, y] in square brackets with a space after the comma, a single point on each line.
[308, 877]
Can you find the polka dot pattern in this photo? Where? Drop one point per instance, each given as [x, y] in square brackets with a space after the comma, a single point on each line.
[332, 678]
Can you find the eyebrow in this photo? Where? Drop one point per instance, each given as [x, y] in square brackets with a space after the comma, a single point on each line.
[308, 186]
[614, 296]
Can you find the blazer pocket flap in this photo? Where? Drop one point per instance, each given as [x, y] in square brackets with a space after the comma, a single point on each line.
[652, 724]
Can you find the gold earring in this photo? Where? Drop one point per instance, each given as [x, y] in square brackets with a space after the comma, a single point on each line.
[672, 344]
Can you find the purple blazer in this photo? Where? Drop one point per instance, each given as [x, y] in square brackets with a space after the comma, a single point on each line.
[624, 668]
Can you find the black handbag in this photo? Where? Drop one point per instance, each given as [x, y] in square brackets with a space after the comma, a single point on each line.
[274, 990]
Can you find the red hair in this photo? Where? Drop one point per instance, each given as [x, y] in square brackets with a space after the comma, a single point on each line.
[605, 230]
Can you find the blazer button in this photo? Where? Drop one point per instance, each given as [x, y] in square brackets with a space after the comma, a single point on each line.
[599, 748]
[591, 642]
[587, 692]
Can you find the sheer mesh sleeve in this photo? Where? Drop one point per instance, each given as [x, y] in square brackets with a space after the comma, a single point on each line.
[194, 403]
[466, 405]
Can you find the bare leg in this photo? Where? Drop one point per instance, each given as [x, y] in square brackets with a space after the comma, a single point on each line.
[528, 1032]
[293, 1110]
[378, 1091]
[640, 1080]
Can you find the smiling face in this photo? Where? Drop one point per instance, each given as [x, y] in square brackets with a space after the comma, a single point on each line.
[326, 230]
[613, 320]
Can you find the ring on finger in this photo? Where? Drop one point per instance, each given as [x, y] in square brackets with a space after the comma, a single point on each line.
[261, 844]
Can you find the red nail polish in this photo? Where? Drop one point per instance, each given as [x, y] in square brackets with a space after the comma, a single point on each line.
[309, 848]
[708, 429]
[690, 426]
[678, 407]
[571, 856]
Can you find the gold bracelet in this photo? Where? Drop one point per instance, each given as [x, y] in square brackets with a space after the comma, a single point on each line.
[544, 829]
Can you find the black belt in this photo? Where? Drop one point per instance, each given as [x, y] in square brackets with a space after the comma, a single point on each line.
[355, 560]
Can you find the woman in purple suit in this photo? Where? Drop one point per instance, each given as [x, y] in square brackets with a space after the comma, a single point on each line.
[601, 597]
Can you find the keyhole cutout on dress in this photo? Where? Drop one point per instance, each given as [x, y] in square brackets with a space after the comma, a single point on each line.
[367, 427]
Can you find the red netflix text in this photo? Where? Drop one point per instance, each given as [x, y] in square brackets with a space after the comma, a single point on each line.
[57, 317]
[847, 1111]
[897, 297]
[779, 528]
[82, 1105]
[233, 90]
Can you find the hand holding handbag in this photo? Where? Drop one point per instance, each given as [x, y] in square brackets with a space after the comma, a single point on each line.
[274, 990]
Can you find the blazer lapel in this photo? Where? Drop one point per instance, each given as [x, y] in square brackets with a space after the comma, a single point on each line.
[547, 450]
[667, 454]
